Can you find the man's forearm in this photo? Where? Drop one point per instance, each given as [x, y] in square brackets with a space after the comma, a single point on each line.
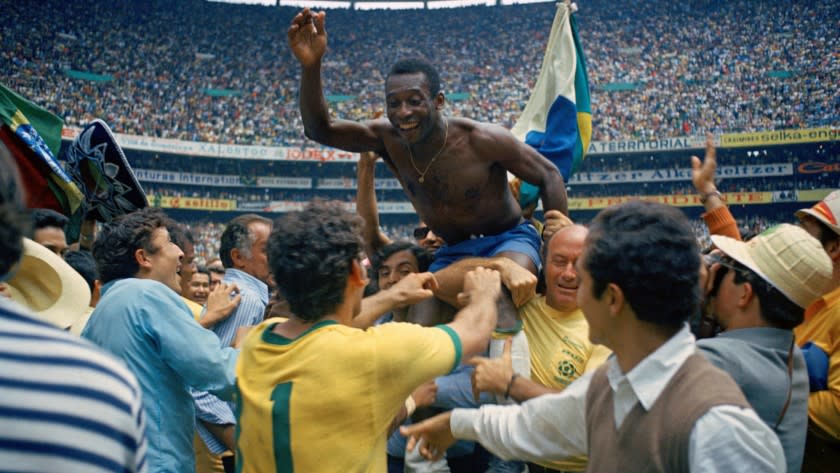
[366, 204]
[451, 278]
[375, 306]
[474, 325]
[553, 193]
[313, 105]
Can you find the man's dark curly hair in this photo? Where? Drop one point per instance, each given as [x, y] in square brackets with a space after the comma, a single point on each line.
[116, 243]
[650, 252]
[310, 253]
[414, 65]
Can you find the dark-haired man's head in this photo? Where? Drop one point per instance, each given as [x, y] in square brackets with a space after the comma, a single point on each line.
[82, 261]
[138, 245]
[183, 237]
[427, 238]
[315, 258]
[646, 255]
[49, 230]
[413, 101]
[397, 260]
[199, 285]
[243, 245]
[217, 274]
[14, 221]
[417, 65]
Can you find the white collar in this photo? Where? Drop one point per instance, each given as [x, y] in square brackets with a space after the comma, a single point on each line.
[649, 378]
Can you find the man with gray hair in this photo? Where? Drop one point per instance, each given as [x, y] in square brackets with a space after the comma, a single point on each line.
[242, 252]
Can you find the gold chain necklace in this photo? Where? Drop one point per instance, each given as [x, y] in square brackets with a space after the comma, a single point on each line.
[411, 155]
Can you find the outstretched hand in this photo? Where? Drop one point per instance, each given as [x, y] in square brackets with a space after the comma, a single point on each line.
[308, 37]
[492, 374]
[703, 174]
[432, 436]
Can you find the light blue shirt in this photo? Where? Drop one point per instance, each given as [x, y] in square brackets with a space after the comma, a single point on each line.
[250, 311]
[148, 326]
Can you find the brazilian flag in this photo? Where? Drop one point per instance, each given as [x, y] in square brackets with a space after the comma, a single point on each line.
[557, 120]
[33, 136]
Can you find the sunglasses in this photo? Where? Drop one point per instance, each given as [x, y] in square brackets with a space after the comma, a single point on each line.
[421, 232]
[726, 264]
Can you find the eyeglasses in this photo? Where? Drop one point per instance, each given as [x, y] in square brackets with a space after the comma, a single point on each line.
[730, 263]
[726, 264]
[421, 232]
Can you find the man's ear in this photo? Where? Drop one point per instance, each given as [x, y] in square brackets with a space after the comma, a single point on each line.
[614, 298]
[358, 274]
[142, 259]
[236, 257]
[747, 294]
[440, 101]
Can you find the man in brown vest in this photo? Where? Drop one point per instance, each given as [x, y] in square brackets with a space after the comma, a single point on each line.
[656, 405]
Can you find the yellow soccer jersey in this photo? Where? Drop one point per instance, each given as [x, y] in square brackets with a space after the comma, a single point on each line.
[195, 308]
[560, 353]
[324, 401]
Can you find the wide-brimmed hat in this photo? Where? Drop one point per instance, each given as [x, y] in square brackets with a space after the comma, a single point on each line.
[826, 211]
[787, 257]
[98, 166]
[48, 286]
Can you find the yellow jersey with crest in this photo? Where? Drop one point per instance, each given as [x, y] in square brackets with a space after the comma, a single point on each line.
[324, 401]
[560, 353]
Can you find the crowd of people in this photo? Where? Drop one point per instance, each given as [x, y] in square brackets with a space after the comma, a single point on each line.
[183, 333]
[758, 65]
[494, 338]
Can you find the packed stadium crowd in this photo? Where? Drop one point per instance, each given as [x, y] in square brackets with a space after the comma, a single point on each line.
[202, 71]
[529, 324]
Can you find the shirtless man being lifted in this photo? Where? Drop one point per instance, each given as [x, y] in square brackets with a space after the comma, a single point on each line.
[454, 170]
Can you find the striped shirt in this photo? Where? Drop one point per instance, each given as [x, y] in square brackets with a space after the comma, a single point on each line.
[65, 406]
[250, 311]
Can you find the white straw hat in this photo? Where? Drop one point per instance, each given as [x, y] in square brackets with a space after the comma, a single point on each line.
[48, 286]
[787, 257]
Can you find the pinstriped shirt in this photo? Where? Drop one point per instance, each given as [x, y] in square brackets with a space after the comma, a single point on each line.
[250, 311]
[64, 404]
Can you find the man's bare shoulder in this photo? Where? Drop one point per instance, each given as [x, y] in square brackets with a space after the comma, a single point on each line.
[488, 138]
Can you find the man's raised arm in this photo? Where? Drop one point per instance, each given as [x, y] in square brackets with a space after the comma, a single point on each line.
[307, 38]
[366, 204]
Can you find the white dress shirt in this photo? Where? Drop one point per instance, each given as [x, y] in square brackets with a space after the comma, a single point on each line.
[553, 426]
